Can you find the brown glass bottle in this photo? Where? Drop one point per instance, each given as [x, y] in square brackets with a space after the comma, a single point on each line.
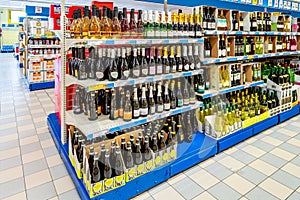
[125, 25]
[85, 25]
[105, 25]
[116, 26]
[94, 28]
[132, 25]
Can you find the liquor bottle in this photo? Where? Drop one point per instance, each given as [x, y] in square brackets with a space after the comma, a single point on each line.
[159, 100]
[138, 158]
[179, 95]
[185, 26]
[180, 25]
[106, 103]
[107, 166]
[241, 22]
[140, 25]
[132, 25]
[169, 26]
[222, 22]
[235, 24]
[116, 25]
[186, 95]
[253, 22]
[119, 167]
[156, 25]
[163, 26]
[191, 58]
[95, 172]
[252, 46]
[197, 26]
[91, 158]
[125, 27]
[205, 19]
[185, 59]
[77, 103]
[196, 57]
[212, 21]
[73, 24]
[150, 26]
[192, 91]
[94, 27]
[113, 70]
[151, 103]
[269, 23]
[151, 62]
[158, 61]
[165, 62]
[144, 64]
[114, 112]
[172, 61]
[259, 46]
[167, 102]
[85, 23]
[82, 68]
[175, 25]
[127, 108]
[135, 65]
[144, 108]
[259, 22]
[105, 24]
[135, 104]
[92, 112]
[180, 133]
[178, 59]
[79, 149]
[207, 48]
[128, 158]
[222, 47]
[172, 96]
[147, 151]
[91, 63]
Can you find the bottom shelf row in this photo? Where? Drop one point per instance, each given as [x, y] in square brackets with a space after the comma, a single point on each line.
[184, 155]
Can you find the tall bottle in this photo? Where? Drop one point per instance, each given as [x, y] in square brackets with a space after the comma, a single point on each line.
[114, 112]
[138, 158]
[163, 26]
[151, 101]
[125, 25]
[113, 70]
[165, 61]
[132, 25]
[135, 65]
[140, 25]
[92, 112]
[180, 133]
[77, 103]
[127, 108]
[95, 172]
[235, 24]
[159, 100]
[85, 23]
[170, 26]
[144, 108]
[94, 26]
[253, 22]
[147, 151]
[105, 25]
[185, 59]
[197, 27]
[124, 66]
[178, 59]
[82, 65]
[136, 105]
[172, 61]
[116, 25]
[156, 25]
[151, 62]
[129, 162]
[167, 103]
[179, 95]
[119, 167]
[197, 60]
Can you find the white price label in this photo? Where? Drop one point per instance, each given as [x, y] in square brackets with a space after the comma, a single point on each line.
[38, 10]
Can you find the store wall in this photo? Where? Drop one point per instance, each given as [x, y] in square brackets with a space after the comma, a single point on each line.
[3, 16]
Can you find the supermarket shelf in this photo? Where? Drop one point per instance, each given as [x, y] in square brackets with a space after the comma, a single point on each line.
[42, 37]
[189, 154]
[104, 125]
[72, 42]
[238, 58]
[92, 84]
[211, 93]
[42, 46]
[256, 33]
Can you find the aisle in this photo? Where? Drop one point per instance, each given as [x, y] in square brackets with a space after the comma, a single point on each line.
[266, 166]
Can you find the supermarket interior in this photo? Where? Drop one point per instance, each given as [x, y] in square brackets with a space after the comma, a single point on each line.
[150, 99]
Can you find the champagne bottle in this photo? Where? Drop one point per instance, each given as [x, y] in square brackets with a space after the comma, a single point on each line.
[218, 121]
[179, 95]
[77, 108]
[151, 62]
[178, 59]
[113, 70]
[124, 66]
[167, 103]
[192, 99]
[186, 95]
[180, 134]
[121, 103]
[119, 167]
[82, 65]
[172, 96]
[154, 145]
[92, 63]
[172, 60]
[161, 142]
[107, 166]
[144, 108]
[92, 112]
[159, 100]
[127, 108]
[197, 61]
[135, 65]
[95, 172]
[151, 103]
[129, 163]
[136, 105]
[185, 59]
[165, 62]
[158, 60]
[169, 26]
[147, 151]
[188, 132]
[114, 112]
[102, 160]
[138, 159]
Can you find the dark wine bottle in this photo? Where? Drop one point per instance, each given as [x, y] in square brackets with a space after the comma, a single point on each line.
[124, 66]
[113, 70]
[136, 105]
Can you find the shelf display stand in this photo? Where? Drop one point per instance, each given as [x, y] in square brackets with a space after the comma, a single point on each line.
[87, 117]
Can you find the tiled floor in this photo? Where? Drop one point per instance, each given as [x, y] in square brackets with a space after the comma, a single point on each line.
[266, 166]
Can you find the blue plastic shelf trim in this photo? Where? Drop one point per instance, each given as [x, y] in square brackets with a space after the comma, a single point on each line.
[263, 125]
[288, 114]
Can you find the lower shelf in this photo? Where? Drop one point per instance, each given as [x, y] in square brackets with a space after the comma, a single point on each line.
[201, 148]
[38, 86]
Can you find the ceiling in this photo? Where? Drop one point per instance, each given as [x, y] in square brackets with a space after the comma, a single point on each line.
[20, 4]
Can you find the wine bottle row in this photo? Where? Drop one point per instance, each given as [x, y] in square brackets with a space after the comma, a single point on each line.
[132, 62]
[281, 74]
[129, 103]
[117, 23]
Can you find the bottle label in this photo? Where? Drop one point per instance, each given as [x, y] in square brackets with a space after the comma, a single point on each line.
[207, 53]
[186, 67]
[160, 108]
[126, 73]
[213, 25]
[224, 52]
[167, 68]
[179, 102]
[204, 24]
[247, 48]
[270, 47]
[150, 33]
[180, 67]
[152, 109]
[198, 65]
[170, 34]
[152, 70]
[220, 52]
[136, 72]
[159, 69]
[136, 113]
[293, 48]
[192, 66]
[144, 111]
[232, 76]
[198, 34]
[114, 74]
[99, 75]
[164, 34]
[174, 68]
[127, 116]
[121, 112]
[167, 106]
[191, 33]
[254, 24]
[145, 71]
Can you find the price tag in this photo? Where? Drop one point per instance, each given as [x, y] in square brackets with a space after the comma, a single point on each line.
[152, 118]
[165, 114]
[249, 122]
[263, 116]
[38, 10]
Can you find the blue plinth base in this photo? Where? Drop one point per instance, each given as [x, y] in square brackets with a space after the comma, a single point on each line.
[263, 125]
[234, 138]
[190, 154]
[39, 86]
[288, 114]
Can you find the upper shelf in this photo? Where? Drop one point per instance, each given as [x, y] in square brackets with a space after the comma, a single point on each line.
[207, 61]
[256, 33]
[72, 42]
